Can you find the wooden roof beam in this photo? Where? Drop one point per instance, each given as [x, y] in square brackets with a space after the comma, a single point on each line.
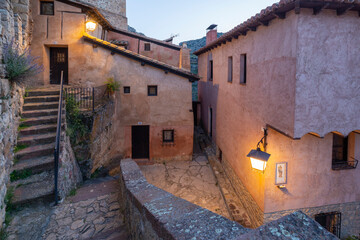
[297, 7]
[264, 23]
[343, 10]
[281, 15]
[252, 28]
[317, 10]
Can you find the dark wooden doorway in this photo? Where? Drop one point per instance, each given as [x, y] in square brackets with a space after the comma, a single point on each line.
[58, 62]
[140, 142]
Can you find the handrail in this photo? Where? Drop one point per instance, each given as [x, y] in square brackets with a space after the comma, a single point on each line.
[58, 136]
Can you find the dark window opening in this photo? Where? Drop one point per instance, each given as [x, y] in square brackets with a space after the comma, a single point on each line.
[147, 46]
[230, 69]
[330, 221]
[126, 89]
[340, 154]
[220, 155]
[211, 70]
[46, 8]
[243, 69]
[168, 136]
[152, 90]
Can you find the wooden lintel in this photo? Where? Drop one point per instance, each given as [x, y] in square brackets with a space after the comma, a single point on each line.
[317, 10]
[281, 15]
[265, 23]
[343, 10]
[297, 7]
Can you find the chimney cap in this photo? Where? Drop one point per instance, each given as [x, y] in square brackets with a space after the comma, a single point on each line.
[211, 27]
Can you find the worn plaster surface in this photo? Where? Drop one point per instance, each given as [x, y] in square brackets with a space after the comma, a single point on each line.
[193, 181]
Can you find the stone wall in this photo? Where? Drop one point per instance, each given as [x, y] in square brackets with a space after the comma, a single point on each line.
[11, 100]
[152, 213]
[69, 172]
[350, 215]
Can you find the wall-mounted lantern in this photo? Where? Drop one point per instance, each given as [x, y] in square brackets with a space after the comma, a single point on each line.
[90, 26]
[257, 157]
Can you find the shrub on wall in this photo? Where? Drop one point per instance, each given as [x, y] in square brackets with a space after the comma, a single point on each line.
[112, 86]
[19, 63]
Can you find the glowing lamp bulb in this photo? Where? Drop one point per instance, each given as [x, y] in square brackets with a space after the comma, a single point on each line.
[258, 159]
[258, 164]
[90, 26]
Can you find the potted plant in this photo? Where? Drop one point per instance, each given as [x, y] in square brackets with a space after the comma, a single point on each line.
[112, 86]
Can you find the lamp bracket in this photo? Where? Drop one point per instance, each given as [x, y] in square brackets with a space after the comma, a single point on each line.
[263, 140]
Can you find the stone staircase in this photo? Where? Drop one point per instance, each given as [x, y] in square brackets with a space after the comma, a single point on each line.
[33, 171]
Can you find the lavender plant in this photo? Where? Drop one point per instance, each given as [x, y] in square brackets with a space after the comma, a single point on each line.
[19, 64]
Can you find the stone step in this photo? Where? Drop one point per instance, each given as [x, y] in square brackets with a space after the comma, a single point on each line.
[35, 151]
[40, 120]
[40, 129]
[40, 99]
[37, 93]
[38, 186]
[40, 113]
[35, 165]
[40, 106]
[37, 139]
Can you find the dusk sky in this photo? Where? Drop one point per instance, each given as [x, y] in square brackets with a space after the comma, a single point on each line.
[189, 18]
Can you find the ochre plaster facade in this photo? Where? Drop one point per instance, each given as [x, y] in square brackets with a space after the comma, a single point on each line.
[90, 66]
[292, 91]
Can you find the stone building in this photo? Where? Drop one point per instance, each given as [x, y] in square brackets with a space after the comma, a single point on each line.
[289, 74]
[153, 108]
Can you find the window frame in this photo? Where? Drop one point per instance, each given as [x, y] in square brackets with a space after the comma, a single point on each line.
[156, 90]
[230, 69]
[147, 47]
[243, 69]
[127, 87]
[330, 218]
[345, 162]
[47, 2]
[172, 140]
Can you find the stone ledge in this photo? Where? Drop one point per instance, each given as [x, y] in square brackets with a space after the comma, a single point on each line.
[152, 213]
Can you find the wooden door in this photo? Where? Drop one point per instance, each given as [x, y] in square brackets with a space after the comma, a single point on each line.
[140, 142]
[58, 62]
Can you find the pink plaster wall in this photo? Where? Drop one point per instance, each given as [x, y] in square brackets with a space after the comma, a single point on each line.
[328, 73]
[280, 63]
[311, 182]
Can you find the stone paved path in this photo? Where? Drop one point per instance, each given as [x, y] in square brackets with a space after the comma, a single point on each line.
[193, 181]
[93, 213]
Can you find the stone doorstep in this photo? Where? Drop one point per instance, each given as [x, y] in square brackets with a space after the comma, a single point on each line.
[40, 106]
[35, 165]
[46, 128]
[35, 151]
[40, 99]
[39, 113]
[37, 139]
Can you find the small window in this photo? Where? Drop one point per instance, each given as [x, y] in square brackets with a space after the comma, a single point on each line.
[46, 8]
[152, 90]
[147, 46]
[243, 69]
[343, 152]
[211, 65]
[168, 136]
[330, 221]
[126, 90]
[230, 69]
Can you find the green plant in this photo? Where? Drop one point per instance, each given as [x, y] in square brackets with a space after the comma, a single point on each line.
[19, 63]
[3, 234]
[352, 238]
[77, 128]
[72, 192]
[22, 126]
[20, 147]
[8, 199]
[17, 175]
[112, 86]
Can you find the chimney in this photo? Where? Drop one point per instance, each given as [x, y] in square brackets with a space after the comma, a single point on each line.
[211, 33]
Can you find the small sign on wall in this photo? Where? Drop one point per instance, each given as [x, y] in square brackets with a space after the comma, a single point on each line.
[281, 173]
[140, 123]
